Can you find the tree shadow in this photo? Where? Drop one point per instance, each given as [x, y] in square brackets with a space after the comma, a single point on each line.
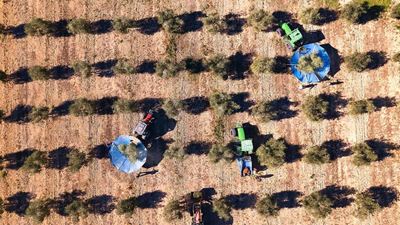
[241, 201]
[334, 57]
[287, 199]
[61, 72]
[292, 153]
[18, 203]
[148, 26]
[211, 218]
[161, 125]
[194, 66]
[191, 21]
[282, 16]
[150, 200]
[239, 64]
[234, 23]
[65, 199]
[382, 148]
[104, 105]
[339, 195]
[147, 66]
[19, 115]
[281, 108]
[378, 59]
[208, 194]
[20, 76]
[384, 102]
[62, 109]
[100, 204]
[57, 159]
[198, 147]
[16, 160]
[99, 152]
[105, 68]
[17, 31]
[155, 153]
[101, 26]
[146, 104]
[281, 64]
[60, 29]
[242, 100]
[336, 102]
[384, 196]
[195, 105]
[313, 36]
[373, 13]
[336, 149]
[326, 16]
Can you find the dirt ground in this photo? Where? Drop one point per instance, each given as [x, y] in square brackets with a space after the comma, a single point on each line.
[196, 172]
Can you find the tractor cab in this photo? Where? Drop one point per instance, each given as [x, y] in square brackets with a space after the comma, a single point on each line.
[141, 128]
[194, 201]
[244, 150]
[293, 38]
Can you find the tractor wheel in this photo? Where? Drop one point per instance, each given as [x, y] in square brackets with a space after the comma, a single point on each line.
[279, 31]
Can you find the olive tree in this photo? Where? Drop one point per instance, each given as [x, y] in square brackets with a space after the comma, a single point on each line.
[39, 27]
[361, 106]
[123, 66]
[129, 150]
[318, 204]
[176, 152]
[79, 26]
[396, 57]
[77, 209]
[263, 65]
[168, 68]
[127, 206]
[38, 114]
[267, 206]
[363, 154]
[222, 208]
[309, 63]
[170, 22]
[223, 103]
[35, 161]
[317, 155]
[260, 20]
[396, 11]
[219, 65]
[82, 68]
[315, 108]
[39, 73]
[366, 204]
[358, 62]
[124, 106]
[122, 25]
[272, 153]
[38, 210]
[172, 107]
[214, 23]
[173, 211]
[1, 206]
[355, 11]
[76, 160]
[219, 152]
[82, 107]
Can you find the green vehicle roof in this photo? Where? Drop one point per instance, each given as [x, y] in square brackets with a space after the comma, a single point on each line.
[241, 134]
[247, 146]
[295, 36]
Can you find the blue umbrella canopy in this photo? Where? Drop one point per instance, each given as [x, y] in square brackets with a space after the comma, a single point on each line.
[317, 75]
[121, 161]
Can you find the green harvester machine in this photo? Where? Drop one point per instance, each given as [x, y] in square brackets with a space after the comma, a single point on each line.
[244, 150]
[292, 37]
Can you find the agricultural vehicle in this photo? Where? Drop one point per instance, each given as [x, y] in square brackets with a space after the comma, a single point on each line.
[194, 202]
[293, 38]
[141, 128]
[244, 150]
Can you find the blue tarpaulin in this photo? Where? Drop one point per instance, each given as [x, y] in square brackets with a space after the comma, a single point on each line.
[319, 74]
[120, 161]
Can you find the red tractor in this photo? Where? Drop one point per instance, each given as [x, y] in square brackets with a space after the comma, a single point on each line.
[141, 128]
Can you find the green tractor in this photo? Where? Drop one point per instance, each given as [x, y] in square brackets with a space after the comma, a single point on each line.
[244, 150]
[293, 38]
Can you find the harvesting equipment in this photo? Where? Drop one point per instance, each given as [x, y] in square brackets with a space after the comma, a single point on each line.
[141, 128]
[244, 150]
[195, 200]
[293, 38]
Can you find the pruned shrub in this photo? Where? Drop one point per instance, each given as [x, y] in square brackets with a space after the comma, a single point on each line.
[39, 73]
[317, 155]
[126, 206]
[39, 27]
[38, 210]
[124, 67]
[260, 20]
[262, 65]
[315, 108]
[363, 154]
[3, 76]
[124, 106]
[122, 25]
[272, 153]
[77, 209]
[34, 162]
[173, 211]
[172, 107]
[396, 11]
[175, 152]
[355, 11]
[168, 68]
[222, 209]
[361, 107]
[310, 63]
[267, 206]
[311, 16]
[358, 61]
[396, 58]
[366, 204]
[223, 104]
[38, 114]
[130, 151]
[265, 111]
[170, 22]
[318, 204]
[79, 26]
[82, 68]
[76, 160]
[82, 107]
[215, 24]
[219, 65]
[219, 152]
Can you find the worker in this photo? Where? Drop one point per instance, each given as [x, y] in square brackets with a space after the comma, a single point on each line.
[246, 171]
